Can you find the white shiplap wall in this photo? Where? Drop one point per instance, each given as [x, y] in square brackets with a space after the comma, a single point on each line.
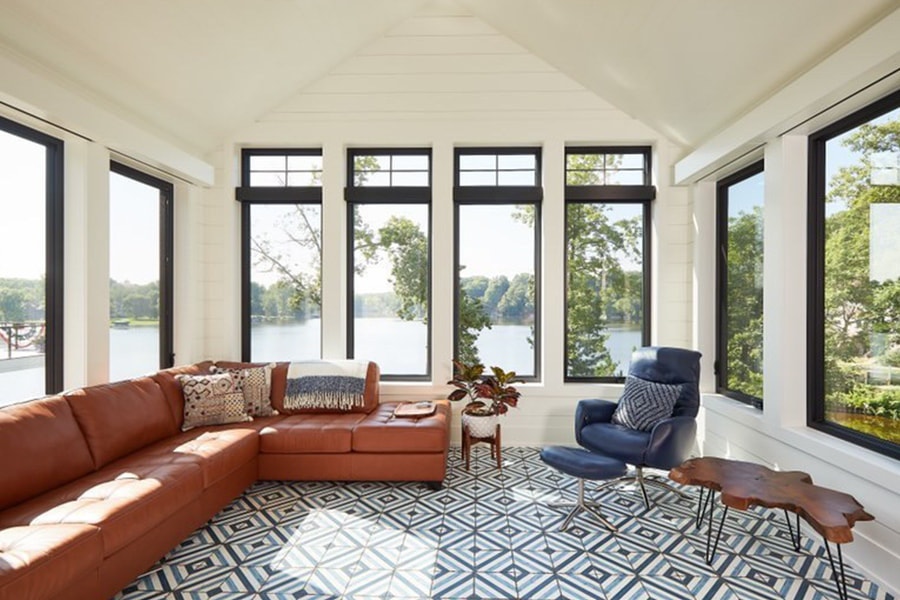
[442, 79]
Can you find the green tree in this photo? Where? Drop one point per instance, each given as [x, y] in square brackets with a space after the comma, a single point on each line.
[12, 305]
[301, 227]
[599, 289]
[744, 327]
[472, 319]
[407, 248]
[597, 249]
[858, 309]
[517, 304]
[256, 298]
[278, 298]
[475, 286]
[494, 293]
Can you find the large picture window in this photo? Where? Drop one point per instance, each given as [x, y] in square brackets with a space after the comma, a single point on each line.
[140, 273]
[389, 208]
[855, 270]
[498, 200]
[31, 263]
[608, 200]
[281, 201]
[739, 363]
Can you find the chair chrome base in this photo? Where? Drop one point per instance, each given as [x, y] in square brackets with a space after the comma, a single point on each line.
[582, 505]
[643, 482]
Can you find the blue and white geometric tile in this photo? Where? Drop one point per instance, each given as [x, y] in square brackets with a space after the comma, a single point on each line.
[487, 534]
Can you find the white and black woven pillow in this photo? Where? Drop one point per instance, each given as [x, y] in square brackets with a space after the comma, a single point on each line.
[645, 403]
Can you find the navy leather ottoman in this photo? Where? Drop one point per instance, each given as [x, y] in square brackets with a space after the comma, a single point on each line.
[582, 464]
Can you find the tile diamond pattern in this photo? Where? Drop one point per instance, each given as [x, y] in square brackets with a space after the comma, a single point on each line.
[487, 534]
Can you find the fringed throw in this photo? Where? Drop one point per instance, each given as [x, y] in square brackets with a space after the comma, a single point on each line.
[332, 385]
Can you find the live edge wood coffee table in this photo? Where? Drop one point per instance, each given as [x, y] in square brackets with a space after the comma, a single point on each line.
[742, 485]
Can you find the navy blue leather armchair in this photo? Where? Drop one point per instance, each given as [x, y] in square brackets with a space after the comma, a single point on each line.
[670, 441]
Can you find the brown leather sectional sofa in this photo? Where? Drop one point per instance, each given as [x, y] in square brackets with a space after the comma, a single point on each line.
[97, 484]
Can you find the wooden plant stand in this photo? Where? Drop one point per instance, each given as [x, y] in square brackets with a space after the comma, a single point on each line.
[742, 485]
[468, 441]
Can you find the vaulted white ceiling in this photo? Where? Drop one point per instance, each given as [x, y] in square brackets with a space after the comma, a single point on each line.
[199, 70]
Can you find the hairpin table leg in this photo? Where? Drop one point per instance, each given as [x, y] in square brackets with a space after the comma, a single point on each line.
[840, 578]
[698, 520]
[795, 541]
[710, 546]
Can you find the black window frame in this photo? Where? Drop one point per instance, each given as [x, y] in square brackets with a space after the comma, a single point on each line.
[643, 195]
[816, 190]
[721, 362]
[401, 194]
[166, 255]
[54, 157]
[464, 195]
[249, 195]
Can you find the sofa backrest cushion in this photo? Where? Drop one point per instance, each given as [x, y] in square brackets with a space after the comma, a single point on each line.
[119, 418]
[279, 377]
[41, 447]
[371, 395]
[171, 387]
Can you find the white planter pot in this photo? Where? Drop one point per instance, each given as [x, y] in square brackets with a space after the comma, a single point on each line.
[479, 426]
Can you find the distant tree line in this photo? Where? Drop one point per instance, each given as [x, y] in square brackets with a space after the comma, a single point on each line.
[503, 300]
[133, 300]
[21, 300]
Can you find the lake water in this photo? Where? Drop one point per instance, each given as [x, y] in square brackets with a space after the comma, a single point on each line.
[397, 346]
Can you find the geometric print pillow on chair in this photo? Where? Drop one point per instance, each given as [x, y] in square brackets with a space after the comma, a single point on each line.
[645, 403]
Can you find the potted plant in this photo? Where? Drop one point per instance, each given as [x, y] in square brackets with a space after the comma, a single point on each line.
[489, 396]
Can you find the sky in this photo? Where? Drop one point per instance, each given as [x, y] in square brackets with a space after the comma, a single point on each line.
[133, 230]
[746, 194]
[22, 202]
[134, 217]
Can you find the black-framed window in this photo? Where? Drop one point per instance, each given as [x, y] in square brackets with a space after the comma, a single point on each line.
[854, 269]
[608, 202]
[140, 272]
[739, 276]
[31, 263]
[281, 254]
[388, 197]
[497, 195]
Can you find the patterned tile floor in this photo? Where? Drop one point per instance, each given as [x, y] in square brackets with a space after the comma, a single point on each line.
[487, 534]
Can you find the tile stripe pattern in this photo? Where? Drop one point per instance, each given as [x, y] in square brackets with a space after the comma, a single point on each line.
[487, 534]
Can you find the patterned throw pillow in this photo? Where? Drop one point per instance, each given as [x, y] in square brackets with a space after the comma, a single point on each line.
[256, 385]
[645, 403]
[211, 400]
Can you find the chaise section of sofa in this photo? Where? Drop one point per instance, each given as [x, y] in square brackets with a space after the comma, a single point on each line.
[114, 475]
[43, 449]
[98, 484]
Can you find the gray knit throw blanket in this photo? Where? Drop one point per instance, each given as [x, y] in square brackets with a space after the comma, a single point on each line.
[332, 385]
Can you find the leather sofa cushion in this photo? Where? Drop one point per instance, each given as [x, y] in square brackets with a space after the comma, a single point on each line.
[218, 451]
[41, 448]
[171, 387]
[382, 432]
[371, 394]
[126, 500]
[119, 418]
[310, 433]
[45, 560]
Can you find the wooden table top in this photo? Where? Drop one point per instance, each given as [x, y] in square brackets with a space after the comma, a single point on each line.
[743, 484]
